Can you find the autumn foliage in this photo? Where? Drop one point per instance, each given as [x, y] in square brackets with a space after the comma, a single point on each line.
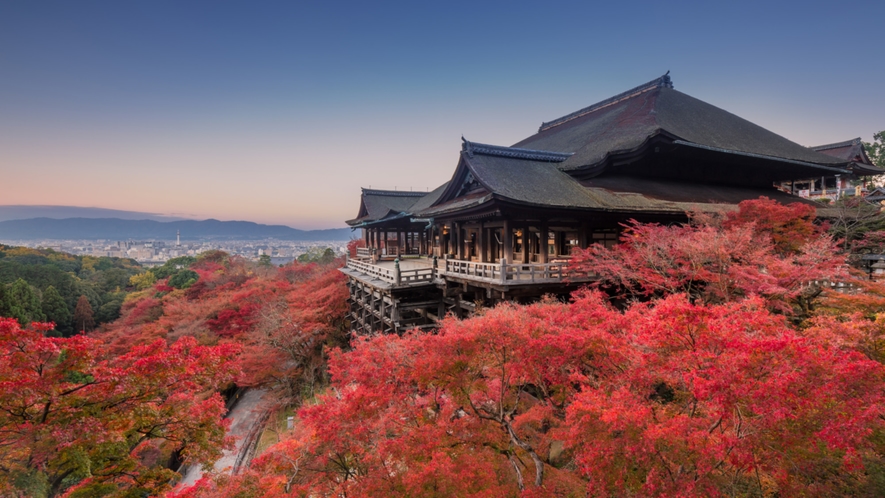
[70, 412]
[554, 399]
[726, 369]
[711, 359]
[279, 318]
[764, 249]
[117, 411]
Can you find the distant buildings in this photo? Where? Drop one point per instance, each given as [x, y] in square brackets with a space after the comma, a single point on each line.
[154, 252]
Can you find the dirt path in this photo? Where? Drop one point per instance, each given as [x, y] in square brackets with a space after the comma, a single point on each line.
[247, 419]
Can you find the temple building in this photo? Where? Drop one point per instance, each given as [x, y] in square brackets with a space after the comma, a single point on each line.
[503, 227]
[836, 186]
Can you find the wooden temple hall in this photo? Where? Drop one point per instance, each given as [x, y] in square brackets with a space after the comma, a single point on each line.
[505, 224]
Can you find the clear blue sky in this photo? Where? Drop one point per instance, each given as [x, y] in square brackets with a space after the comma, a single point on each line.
[278, 112]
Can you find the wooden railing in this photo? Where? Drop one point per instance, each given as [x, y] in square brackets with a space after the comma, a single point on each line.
[375, 271]
[394, 275]
[364, 252]
[512, 274]
[499, 273]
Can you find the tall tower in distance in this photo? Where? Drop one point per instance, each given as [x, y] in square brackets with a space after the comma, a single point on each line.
[178, 238]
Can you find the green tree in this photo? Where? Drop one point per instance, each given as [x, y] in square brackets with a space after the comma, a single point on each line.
[56, 310]
[173, 265]
[317, 255]
[264, 260]
[110, 310]
[183, 279]
[876, 149]
[83, 317]
[5, 303]
[25, 303]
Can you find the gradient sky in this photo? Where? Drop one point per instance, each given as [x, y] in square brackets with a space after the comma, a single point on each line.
[278, 112]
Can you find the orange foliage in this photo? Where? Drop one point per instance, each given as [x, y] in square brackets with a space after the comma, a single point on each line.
[280, 317]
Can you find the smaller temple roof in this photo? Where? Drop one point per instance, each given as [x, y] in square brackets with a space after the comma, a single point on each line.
[429, 199]
[377, 205]
[527, 176]
[853, 151]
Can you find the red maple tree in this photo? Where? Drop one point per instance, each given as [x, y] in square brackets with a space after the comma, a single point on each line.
[70, 411]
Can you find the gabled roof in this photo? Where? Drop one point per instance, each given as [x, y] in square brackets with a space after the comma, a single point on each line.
[853, 151]
[429, 199]
[377, 205]
[524, 175]
[533, 179]
[627, 122]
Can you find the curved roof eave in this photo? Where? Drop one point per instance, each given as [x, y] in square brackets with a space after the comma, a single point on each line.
[762, 156]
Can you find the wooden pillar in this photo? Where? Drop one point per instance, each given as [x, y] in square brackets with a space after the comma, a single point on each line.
[481, 242]
[583, 235]
[385, 241]
[456, 240]
[507, 240]
[526, 247]
[366, 236]
[545, 235]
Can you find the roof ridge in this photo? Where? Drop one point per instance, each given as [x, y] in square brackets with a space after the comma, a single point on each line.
[393, 193]
[515, 152]
[853, 141]
[662, 82]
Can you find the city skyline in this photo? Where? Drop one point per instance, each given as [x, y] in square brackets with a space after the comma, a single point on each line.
[278, 113]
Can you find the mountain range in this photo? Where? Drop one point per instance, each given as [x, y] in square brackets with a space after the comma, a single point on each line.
[117, 228]
[24, 212]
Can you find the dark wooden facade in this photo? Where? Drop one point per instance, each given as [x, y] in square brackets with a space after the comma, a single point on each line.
[503, 227]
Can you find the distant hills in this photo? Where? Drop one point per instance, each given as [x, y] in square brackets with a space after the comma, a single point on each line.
[21, 212]
[147, 229]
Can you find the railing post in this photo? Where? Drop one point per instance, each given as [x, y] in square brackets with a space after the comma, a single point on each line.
[435, 269]
[503, 270]
[396, 274]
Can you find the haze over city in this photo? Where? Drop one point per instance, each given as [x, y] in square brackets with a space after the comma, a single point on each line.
[278, 112]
